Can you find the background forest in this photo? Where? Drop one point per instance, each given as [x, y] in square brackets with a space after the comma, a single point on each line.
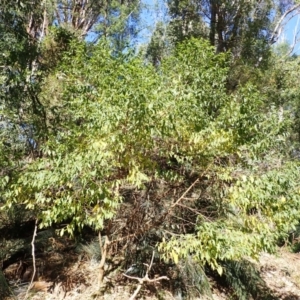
[181, 149]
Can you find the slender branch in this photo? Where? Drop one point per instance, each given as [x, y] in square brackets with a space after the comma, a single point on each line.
[183, 195]
[136, 292]
[44, 25]
[151, 263]
[103, 249]
[33, 259]
[144, 279]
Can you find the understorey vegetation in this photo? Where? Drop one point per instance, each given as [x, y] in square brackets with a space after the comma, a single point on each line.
[179, 154]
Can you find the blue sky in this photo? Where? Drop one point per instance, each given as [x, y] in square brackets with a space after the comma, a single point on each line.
[154, 11]
[289, 32]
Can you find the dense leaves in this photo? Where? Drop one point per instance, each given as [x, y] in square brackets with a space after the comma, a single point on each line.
[117, 119]
[189, 154]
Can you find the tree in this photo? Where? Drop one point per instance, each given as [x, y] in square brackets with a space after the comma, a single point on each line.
[186, 22]
[157, 47]
[245, 28]
[88, 19]
[19, 101]
[34, 35]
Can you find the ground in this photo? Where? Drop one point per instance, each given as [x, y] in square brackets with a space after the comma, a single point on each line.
[63, 273]
[281, 272]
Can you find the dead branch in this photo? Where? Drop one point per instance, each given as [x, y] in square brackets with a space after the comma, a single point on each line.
[103, 249]
[167, 213]
[183, 195]
[144, 279]
[33, 259]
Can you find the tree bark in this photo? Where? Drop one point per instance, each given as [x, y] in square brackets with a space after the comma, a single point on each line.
[213, 21]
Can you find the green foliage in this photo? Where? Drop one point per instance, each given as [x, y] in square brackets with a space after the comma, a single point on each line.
[53, 46]
[4, 288]
[261, 209]
[186, 21]
[158, 47]
[245, 280]
[194, 279]
[287, 83]
[117, 118]
[21, 115]
[88, 133]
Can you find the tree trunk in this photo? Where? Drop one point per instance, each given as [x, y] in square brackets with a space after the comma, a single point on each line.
[213, 21]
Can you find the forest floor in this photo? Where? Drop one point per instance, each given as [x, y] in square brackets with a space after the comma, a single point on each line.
[281, 273]
[66, 274]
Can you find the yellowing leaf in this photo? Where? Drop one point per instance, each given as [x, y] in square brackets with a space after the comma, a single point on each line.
[220, 270]
[175, 256]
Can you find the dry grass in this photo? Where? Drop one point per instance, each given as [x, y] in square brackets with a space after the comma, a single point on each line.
[281, 273]
[78, 280]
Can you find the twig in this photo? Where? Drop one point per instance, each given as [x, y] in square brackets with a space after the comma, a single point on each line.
[144, 279]
[195, 211]
[167, 213]
[33, 259]
[182, 219]
[190, 187]
[182, 196]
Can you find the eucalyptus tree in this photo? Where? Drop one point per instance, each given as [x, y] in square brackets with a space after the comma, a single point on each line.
[245, 28]
[91, 19]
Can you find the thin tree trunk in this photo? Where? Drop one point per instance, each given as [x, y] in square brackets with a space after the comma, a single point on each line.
[213, 21]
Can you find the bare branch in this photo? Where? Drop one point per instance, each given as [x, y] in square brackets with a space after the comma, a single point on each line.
[183, 195]
[33, 259]
[103, 249]
[145, 278]
[151, 263]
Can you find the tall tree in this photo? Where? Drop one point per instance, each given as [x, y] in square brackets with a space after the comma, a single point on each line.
[20, 86]
[246, 28]
[102, 18]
